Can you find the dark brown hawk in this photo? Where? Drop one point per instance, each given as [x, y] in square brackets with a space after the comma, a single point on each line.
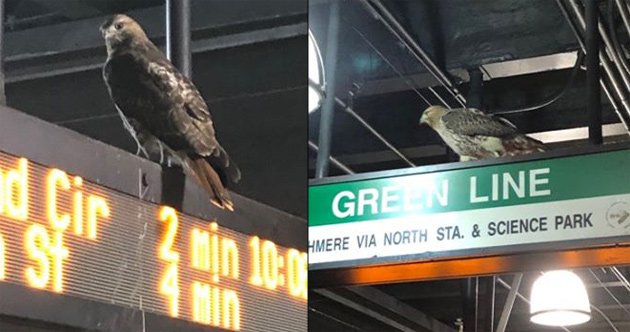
[162, 109]
[473, 134]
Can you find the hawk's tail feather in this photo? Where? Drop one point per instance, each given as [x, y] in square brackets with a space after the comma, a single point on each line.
[226, 166]
[211, 182]
[523, 144]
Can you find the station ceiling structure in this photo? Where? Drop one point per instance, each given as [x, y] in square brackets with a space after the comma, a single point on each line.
[525, 51]
[248, 62]
[528, 55]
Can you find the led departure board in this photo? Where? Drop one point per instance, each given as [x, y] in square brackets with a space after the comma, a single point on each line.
[62, 234]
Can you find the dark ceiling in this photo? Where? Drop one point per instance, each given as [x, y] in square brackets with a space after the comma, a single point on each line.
[526, 51]
[249, 62]
[25, 14]
[386, 80]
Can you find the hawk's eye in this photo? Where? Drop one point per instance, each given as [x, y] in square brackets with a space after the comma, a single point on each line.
[118, 26]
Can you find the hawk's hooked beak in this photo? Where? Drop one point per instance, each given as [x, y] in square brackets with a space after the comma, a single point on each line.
[105, 25]
[423, 120]
[103, 30]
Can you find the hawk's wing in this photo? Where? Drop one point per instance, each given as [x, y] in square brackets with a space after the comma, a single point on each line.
[473, 122]
[191, 116]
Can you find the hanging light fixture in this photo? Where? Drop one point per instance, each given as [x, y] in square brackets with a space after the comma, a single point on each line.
[315, 74]
[559, 298]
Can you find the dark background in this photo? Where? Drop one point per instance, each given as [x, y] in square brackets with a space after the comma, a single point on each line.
[249, 62]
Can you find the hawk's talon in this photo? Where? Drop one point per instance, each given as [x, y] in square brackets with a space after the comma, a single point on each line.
[161, 151]
[133, 133]
[143, 150]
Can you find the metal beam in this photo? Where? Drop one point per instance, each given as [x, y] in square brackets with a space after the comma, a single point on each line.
[62, 66]
[178, 35]
[73, 9]
[470, 301]
[384, 156]
[363, 309]
[207, 17]
[625, 16]
[606, 284]
[579, 133]
[328, 106]
[548, 256]
[509, 302]
[486, 303]
[593, 94]
[539, 64]
[394, 305]
[77, 46]
[611, 132]
[617, 88]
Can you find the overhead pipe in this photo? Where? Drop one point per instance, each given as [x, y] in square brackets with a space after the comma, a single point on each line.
[625, 16]
[492, 282]
[377, 8]
[620, 93]
[615, 106]
[607, 69]
[611, 50]
[593, 93]
[328, 106]
[470, 306]
[613, 36]
[178, 35]
[606, 63]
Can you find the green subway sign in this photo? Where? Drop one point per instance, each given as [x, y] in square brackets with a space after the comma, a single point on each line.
[557, 199]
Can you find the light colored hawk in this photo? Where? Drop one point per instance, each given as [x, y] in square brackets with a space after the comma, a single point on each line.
[473, 134]
[162, 109]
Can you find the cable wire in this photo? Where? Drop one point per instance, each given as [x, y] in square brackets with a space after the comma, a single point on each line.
[371, 129]
[389, 63]
[605, 317]
[609, 292]
[381, 13]
[621, 277]
[554, 98]
[614, 38]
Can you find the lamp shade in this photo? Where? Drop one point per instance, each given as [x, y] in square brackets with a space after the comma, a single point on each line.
[559, 298]
[315, 73]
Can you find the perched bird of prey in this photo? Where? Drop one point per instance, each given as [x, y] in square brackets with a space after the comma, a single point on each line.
[162, 109]
[473, 134]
